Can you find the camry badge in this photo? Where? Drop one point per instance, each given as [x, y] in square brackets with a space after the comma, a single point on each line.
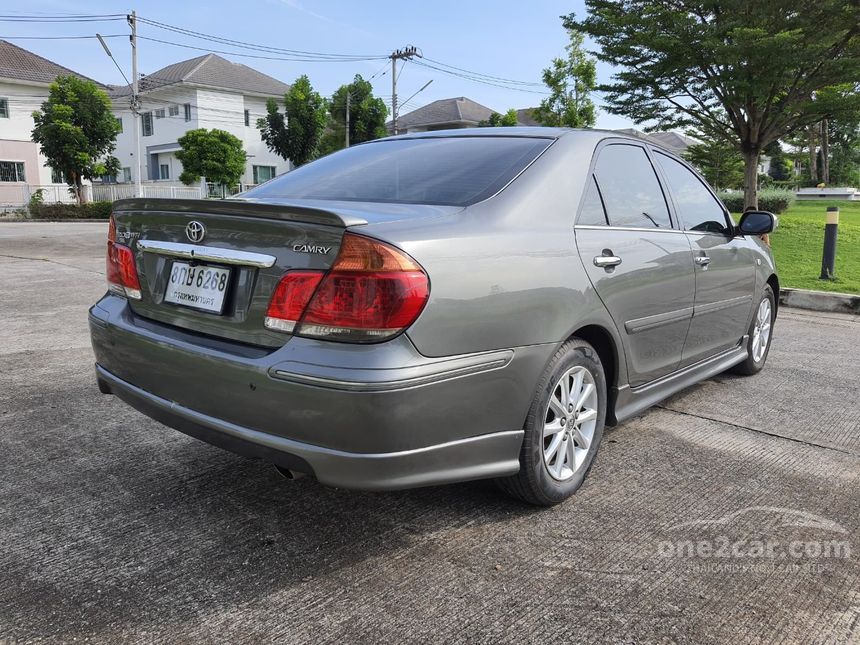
[311, 248]
[195, 231]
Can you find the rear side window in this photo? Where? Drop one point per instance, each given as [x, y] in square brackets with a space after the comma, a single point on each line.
[592, 213]
[454, 171]
[629, 187]
[697, 207]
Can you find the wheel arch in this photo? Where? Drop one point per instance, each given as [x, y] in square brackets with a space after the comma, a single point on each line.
[773, 281]
[607, 350]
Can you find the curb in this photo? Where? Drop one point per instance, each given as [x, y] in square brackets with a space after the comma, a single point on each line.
[845, 303]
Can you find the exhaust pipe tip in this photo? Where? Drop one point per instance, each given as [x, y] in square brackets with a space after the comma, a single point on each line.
[289, 474]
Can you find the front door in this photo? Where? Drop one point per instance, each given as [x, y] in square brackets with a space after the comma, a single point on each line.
[639, 264]
[724, 265]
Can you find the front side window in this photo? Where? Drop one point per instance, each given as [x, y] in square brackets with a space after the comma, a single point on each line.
[630, 189]
[449, 171]
[592, 213]
[12, 171]
[146, 124]
[697, 207]
[4, 108]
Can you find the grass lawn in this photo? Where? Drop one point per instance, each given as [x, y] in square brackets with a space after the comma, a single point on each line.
[799, 240]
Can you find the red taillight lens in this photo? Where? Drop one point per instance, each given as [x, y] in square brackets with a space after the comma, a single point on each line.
[372, 292]
[120, 267]
[291, 296]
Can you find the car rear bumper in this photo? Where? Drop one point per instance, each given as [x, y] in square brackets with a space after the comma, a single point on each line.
[371, 417]
[491, 455]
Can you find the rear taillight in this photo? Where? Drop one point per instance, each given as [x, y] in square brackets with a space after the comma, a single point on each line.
[120, 267]
[373, 291]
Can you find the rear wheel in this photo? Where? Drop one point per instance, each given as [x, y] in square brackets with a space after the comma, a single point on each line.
[563, 428]
[760, 335]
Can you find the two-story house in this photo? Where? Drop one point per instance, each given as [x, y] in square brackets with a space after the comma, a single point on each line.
[204, 92]
[25, 79]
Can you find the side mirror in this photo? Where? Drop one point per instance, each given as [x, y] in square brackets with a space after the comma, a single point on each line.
[757, 223]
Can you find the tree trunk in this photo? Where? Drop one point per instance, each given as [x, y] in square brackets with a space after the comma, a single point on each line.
[813, 158]
[751, 158]
[825, 153]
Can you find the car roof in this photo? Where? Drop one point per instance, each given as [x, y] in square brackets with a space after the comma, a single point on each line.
[537, 132]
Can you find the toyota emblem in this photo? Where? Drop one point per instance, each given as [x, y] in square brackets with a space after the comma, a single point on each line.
[195, 231]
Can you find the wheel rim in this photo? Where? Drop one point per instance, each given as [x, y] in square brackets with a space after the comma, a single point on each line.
[569, 423]
[761, 330]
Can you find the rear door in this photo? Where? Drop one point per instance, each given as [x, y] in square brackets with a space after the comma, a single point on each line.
[639, 263]
[724, 264]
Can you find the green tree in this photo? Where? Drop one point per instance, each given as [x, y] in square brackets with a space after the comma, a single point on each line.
[366, 116]
[781, 166]
[570, 81]
[295, 134]
[214, 154]
[496, 120]
[77, 132]
[719, 162]
[748, 71]
[845, 151]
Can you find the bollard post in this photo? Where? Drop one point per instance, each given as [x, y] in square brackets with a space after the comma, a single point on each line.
[828, 258]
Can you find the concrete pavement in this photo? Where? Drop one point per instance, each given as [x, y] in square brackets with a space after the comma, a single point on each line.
[115, 528]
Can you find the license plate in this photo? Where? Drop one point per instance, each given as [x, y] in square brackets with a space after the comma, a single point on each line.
[199, 287]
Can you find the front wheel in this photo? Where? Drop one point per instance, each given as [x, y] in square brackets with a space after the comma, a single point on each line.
[760, 333]
[563, 428]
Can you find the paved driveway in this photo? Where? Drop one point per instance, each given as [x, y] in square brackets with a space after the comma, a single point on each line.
[730, 513]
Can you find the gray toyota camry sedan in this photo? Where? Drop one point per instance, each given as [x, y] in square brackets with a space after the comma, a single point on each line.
[435, 307]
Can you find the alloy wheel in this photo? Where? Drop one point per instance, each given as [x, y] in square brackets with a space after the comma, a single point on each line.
[761, 330]
[569, 423]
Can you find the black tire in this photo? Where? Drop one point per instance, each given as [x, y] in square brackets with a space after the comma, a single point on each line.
[751, 366]
[533, 483]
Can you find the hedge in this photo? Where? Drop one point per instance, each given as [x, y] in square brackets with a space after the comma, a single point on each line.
[91, 210]
[775, 200]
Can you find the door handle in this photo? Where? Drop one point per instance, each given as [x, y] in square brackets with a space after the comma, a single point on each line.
[606, 261]
[703, 260]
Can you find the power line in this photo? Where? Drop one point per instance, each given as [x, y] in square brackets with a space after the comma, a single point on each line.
[258, 47]
[479, 80]
[487, 76]
[60, 37]
[63, 19]
[255, 56]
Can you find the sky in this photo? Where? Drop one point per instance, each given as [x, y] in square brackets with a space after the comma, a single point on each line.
[502, 39]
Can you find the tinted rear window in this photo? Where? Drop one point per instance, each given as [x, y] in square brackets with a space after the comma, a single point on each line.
[454, 171]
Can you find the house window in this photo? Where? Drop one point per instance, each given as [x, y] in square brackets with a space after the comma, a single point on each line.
[187, 107]
[247, 117]
[58, 176]
[146, 123]
[159, 114]
[12, 171]
[126, 175]
[164, 171]
[173, 110]
[263, 173]
[4, 108]
[119, 122]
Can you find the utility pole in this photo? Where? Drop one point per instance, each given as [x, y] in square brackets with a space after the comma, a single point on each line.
[135, 101]
[347, 117]
[400, 54]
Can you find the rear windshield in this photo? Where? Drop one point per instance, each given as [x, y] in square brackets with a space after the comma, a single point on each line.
[452, 171]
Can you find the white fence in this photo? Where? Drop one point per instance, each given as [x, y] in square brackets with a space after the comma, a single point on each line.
[113, 192]
[13, 196]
